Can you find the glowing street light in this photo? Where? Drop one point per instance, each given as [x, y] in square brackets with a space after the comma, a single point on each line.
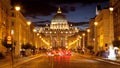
[88, 30]
[95, 36]
[111, 9]
[83, 41]
[80, 41]
[88, 37]
[112, 54]
[28, 23]
[83, 34]
[34, 30]
[95, 23]
[17, 8]
[38, 34]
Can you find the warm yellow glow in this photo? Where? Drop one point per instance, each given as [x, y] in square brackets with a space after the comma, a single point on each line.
[45, 41]
[111, 9]
[83, 34]
[66, 32]
[12, 32]
[38, 34]
[59, 10]
[50, 46]
[28, 22]
[101, 40]
[95, 23]
[17, 8]
[80, 37]
[50, 32]
[34, 30]
[88, 30]
[73, 42]
[66, 46]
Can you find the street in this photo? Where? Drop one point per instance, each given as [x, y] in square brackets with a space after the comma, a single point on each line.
[74, 61]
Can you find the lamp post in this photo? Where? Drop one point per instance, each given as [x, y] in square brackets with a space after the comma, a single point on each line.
[17, 8]
[29, 23]
[111, 28]
[34, 31]
[83, 47]
[13, 48]
[88, 37]
[79, 42]
[95, 36]
[112, 54]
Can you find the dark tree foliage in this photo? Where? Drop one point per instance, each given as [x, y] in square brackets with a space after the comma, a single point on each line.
[27, 46]
[4, 43]
[90, 48]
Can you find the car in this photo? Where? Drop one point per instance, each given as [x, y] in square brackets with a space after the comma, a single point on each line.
[59, 52]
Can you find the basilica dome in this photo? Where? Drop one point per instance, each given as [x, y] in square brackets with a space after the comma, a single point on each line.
[59, 21]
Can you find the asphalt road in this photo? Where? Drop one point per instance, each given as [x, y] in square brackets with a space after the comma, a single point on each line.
[74, 61]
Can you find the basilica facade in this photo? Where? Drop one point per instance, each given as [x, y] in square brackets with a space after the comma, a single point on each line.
[58, 31]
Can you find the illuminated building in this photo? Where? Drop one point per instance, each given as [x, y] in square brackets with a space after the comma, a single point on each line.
[5, 8]
[23, 31]
[59, 30]
[116, 17]
[104, 29]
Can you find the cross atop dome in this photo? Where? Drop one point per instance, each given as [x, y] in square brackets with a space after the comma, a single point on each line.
[59, 10]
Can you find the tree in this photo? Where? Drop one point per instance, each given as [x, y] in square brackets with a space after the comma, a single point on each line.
[4, 43]
[90, 48]
[27, 46]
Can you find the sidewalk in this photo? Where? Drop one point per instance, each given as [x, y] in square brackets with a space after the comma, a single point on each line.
[117, 61]
[7, 62]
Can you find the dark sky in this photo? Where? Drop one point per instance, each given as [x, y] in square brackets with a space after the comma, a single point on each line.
[44, 10]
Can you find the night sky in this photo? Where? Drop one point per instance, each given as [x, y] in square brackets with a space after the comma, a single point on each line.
[43, 10]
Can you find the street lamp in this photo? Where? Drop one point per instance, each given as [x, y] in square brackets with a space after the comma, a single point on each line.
[29, 23]
[111, 28]
[34, 31]
[17, 8]
[13, 47]
[88, 31]
[83, 41]
[112, 54]
[95, 36]
[95, 23]
[80, 41]
[111, 9]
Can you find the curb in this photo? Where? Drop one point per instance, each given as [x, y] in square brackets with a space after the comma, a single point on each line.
[101, 59]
